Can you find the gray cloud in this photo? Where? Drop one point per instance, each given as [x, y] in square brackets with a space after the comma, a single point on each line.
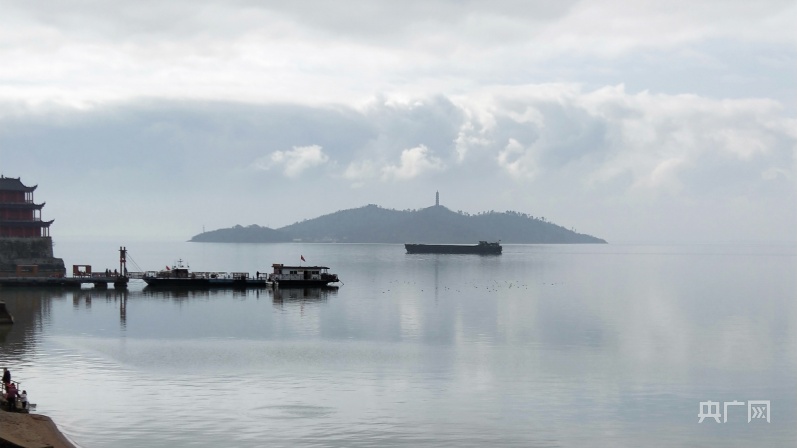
[610, 117]
[532, 149]
[316, 52]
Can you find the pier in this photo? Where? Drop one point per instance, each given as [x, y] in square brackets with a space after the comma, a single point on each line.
[28, 275]
[99, 281]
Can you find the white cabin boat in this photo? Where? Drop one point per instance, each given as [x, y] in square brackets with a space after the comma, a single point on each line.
[301, 275]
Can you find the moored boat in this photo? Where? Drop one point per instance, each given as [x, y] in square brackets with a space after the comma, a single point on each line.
[180, 276]
[290, 276]
[483, 248]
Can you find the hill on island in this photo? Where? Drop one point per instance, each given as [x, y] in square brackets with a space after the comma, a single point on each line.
[436, 224]
[241, 234]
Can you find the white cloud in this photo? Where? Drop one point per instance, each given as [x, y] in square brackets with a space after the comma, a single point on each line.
[666, 142]
[358, 172]
[413, 163]
[560, 107]
[663, 176]
[295, 161]
[555, 150]
[310, 52]
[517, 160]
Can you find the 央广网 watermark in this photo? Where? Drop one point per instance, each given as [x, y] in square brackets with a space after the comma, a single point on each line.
[756, 409]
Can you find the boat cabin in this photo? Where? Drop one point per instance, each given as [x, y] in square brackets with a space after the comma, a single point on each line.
[300, 273]
[178, 270]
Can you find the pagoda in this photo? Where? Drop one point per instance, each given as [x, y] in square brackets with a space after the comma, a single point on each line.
[25, 243]
[20, 217]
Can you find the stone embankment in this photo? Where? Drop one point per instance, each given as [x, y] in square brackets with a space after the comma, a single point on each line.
[16, 252]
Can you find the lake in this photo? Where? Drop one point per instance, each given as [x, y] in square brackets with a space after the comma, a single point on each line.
[543, 346]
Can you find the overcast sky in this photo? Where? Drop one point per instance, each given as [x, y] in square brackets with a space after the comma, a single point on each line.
[634, 121]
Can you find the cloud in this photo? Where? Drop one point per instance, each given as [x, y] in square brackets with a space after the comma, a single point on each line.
[545, 133]
[295, 161]
[552, 134]
[583, 110]
[664, 175]
[360, 172]
[311, 52]
[555, 150]
[385, 22]
[517, 160]
[414, 162]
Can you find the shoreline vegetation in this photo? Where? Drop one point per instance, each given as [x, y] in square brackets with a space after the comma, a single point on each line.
[18, 430]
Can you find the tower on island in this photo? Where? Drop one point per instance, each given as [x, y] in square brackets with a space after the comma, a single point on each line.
[25, 243]
[437, 198]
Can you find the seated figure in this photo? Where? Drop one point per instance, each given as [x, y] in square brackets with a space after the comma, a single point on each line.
[11, 395]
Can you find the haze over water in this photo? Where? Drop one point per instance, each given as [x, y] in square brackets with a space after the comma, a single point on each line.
[545, 345]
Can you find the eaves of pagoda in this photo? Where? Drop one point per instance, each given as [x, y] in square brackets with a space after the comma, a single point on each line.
[22, 205]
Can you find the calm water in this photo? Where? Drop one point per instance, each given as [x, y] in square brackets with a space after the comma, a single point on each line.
[549, 346]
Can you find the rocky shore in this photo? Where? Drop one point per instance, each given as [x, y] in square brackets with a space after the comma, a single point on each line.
[19, 430]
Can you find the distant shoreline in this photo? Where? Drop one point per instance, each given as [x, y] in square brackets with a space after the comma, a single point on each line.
[26, 430]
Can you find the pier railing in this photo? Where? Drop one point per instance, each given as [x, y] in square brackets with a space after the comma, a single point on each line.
[193, 275]
[200, 275]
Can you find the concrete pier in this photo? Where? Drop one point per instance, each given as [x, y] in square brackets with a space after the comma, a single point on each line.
[101, 282]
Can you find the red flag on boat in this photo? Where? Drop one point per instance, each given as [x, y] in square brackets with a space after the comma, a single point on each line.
[302, 256]
[167, 268]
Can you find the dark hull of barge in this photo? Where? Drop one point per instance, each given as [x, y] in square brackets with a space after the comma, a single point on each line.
[475, 249]
[204, 283]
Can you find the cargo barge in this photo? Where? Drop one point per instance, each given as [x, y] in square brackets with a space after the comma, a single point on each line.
[483, 248]
[179, 276]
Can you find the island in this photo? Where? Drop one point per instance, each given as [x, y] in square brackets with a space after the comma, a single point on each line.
[432, 225]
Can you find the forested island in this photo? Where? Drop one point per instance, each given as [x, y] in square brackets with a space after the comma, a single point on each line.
[436, 224]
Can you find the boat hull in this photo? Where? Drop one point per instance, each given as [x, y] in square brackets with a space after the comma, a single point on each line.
[204, 283]
[453, 249]
[302, 283]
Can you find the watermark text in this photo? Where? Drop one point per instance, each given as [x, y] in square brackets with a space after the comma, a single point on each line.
[756, 410]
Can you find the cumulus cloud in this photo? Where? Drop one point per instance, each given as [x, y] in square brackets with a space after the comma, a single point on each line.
[413, 163]
[546, 149]
[517, 160]
[539, 133]
[295, 161]
[560, 107]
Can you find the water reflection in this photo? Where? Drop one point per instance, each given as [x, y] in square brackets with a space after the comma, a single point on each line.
[31, 309]
[182, 294]
[531, 348]
[82, 300]
[93, 309]
[300, 296]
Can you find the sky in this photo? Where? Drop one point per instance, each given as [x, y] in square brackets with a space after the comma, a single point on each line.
[633, 121]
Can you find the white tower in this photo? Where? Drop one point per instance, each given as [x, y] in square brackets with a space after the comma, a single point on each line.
[437, 199]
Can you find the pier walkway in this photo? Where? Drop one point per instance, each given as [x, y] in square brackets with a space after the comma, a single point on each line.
[98, 280]
[29, 275]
